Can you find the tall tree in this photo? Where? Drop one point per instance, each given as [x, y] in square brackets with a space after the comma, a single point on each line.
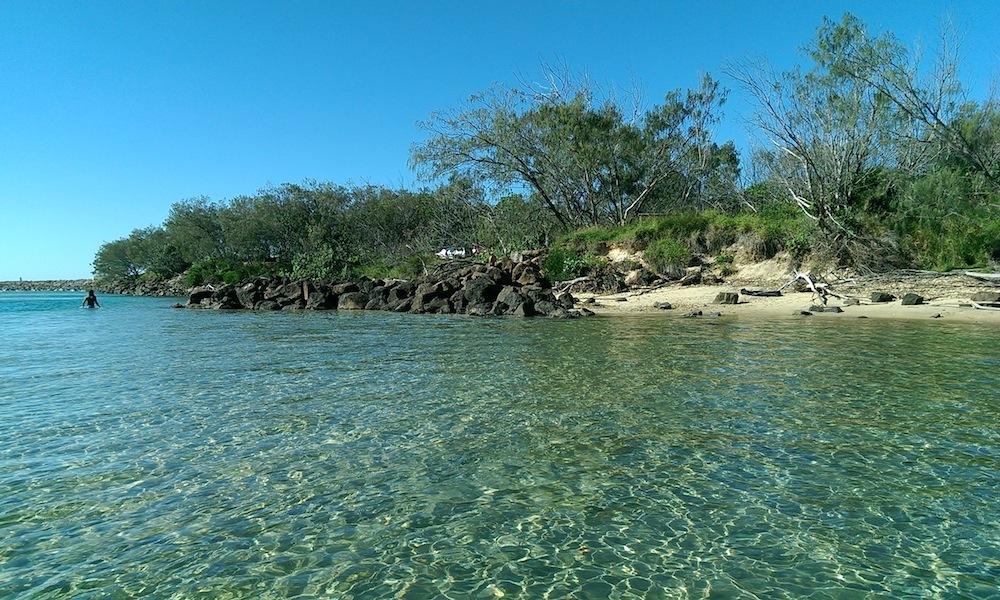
[931, 99]
[828, 130]
[585, 160]
[193, 226]
[144, 250]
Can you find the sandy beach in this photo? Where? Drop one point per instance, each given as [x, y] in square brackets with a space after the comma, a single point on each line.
[946, 298]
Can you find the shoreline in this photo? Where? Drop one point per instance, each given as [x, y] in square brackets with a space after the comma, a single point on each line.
[946, 298]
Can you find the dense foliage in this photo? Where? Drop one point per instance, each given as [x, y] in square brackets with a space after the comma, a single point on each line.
[894, 163]
[865, 156]
[587, 161]
[322, 231]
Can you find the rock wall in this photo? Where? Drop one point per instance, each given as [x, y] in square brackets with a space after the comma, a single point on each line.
[172, 288]
[456, 287]
[59, 285]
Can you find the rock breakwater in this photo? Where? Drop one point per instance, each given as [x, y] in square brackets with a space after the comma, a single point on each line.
[170, 288]
[52, 285]
[456, 287]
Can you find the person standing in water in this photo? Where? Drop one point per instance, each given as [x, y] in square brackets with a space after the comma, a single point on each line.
[91, 301]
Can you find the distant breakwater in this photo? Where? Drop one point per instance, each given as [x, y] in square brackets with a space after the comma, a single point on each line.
[130, 288]
[51, 285]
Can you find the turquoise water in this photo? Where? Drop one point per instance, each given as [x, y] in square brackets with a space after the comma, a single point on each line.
[153, 452]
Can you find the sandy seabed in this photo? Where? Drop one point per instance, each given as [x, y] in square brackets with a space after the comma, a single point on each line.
[946, 297]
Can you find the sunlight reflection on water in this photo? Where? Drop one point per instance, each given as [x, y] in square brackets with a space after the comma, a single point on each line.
[155, 452]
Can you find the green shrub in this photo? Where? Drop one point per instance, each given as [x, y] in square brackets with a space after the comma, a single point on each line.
[321, 265]
[198, 274]
[413, 266]
[666, 253]
[686, 225]
[955, 242]
[800, 245]
[590, 236]
[372, 271]
[219, 270]
[562, 265]
[724, 262]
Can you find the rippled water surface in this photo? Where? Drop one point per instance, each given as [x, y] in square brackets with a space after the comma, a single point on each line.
[153, 452]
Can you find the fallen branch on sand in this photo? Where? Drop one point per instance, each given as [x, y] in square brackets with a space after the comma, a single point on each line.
[763, 293]
[985, 307]
[819, 288]
[984, 276]
[562, 286]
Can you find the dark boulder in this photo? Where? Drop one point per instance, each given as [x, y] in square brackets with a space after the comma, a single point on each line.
[525, 309]
[200, 294]
[882, 297]
[438, 305]
[479, 310]
[508, 300]
[376, 302]
[567, 301]
[322, 298]
[346, 288]
[481, 291]
[458, 301]
[225, 298]
[352, 301]
[428, 296]
[267, 305]
[727, 298]
[816, 308]
[402, 306]
[547, 307]
[694, 277]
[283, 289]
[912, 299]
[400, 290]
[379, 292]
[528, 273]
[251, 292]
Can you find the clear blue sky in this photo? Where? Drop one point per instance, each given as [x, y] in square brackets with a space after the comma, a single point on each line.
[110, 112]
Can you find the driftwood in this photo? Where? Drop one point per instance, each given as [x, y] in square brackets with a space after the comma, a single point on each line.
[820, 288]
[985, 306]
[984, 276]
[764, 293]
[562, 286]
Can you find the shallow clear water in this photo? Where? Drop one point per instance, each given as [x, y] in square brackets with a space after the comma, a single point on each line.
[153, 452]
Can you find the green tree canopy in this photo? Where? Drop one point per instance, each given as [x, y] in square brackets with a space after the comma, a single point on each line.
[586, 161]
